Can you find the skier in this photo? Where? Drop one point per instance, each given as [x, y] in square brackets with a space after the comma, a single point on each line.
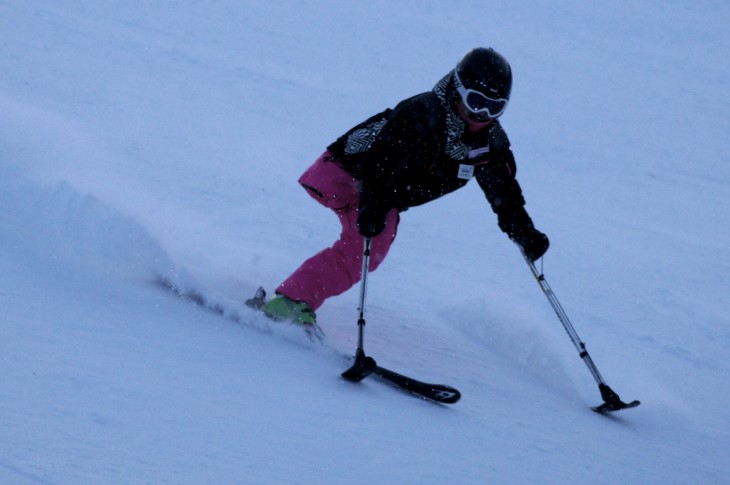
[427, 146]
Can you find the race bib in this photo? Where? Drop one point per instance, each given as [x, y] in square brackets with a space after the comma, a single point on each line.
[466, 172]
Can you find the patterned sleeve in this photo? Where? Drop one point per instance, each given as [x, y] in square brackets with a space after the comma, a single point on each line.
[497, 181]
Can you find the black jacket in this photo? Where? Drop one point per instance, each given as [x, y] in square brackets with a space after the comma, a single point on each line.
[422, 149]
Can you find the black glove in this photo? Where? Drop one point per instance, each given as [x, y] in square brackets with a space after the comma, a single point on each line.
[515, 222]
[533, 243]
[370, 221]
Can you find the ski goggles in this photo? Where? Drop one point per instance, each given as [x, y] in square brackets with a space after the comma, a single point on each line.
[478, 103]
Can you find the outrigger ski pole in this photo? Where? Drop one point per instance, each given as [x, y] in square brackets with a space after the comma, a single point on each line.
[611, 400]
[364, 365]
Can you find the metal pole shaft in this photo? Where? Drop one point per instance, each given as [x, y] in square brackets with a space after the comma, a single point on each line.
[363, 287]
[567, 325]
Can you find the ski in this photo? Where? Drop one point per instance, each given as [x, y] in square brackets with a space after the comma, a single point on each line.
[435, 392]
[363, 366]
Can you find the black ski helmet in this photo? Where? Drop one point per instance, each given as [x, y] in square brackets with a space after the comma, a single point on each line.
[485, 71]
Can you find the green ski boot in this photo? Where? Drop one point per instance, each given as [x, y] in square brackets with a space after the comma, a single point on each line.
[282, 308]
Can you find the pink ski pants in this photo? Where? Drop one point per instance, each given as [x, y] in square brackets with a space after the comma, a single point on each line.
[336, 269]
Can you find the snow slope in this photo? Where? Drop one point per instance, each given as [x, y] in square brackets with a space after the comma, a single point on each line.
[149, 138]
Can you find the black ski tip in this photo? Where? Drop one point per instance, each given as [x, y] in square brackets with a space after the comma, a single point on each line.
[446, 394]
[439, 393]
[363, 367]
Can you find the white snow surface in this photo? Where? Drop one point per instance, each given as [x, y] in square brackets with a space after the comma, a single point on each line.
[148, 138]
